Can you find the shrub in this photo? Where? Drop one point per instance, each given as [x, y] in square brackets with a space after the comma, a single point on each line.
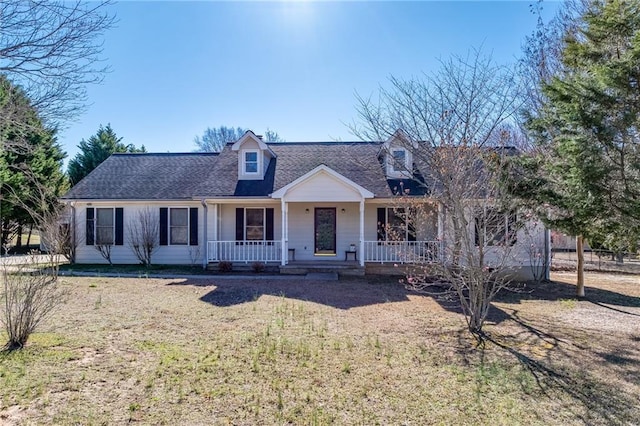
[225, 266]
[28, 294]
[257, 267]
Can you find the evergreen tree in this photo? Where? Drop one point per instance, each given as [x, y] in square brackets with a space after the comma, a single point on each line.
[588, 170]
[30, 163]
[95, 150]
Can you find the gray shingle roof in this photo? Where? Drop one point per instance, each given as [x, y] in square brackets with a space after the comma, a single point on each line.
[185, 176]
[357, 161]
[145, 177]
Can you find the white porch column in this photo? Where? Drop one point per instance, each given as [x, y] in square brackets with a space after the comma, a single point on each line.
[284, 253]
[205, 256]
[361, 250]
[215, 222]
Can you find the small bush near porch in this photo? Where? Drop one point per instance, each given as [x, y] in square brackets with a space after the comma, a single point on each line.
[216, 351]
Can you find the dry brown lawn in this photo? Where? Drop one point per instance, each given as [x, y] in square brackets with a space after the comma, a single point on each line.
[361, 351]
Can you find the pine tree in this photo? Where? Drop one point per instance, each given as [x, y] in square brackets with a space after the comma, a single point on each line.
[95, 150]
[589, 174]
[30, 163]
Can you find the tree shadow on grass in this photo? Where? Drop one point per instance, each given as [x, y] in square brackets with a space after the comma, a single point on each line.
[570, 365]
[592, 400]
[345, 294]
[555, 290]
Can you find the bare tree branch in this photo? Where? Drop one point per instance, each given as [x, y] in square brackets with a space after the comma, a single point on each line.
[53, 49]
[455, 124]
[144, 234]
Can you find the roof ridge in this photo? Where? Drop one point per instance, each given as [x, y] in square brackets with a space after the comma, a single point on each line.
[166, 154]
[327, 143]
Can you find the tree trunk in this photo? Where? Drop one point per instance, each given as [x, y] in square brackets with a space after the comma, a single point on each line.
[19, 237]
[580, 253]
[29, 235]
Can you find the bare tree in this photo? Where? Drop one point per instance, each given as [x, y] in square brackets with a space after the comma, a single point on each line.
[535, 245]
[52, 49]
[194, 254]
[214, 139]
[30, 290]
[451, 123]
[29, 293]
[144, 235]
[105, 251]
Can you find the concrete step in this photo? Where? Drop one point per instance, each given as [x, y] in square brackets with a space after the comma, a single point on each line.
[311, 268]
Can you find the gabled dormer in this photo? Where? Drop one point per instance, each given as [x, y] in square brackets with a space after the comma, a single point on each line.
[396, 154]
[254, 156]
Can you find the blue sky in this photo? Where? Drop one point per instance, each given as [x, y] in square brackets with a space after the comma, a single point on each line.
[178, 67]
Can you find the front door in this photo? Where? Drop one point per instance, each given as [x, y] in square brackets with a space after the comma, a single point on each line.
[325, 231]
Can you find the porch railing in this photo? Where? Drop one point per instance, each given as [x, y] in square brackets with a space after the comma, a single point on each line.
[403, 251]
[244, 251]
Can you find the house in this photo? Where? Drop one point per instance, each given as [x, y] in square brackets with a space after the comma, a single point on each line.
[280, 203]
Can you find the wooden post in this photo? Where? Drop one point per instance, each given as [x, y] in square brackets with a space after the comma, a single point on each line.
[580, 253]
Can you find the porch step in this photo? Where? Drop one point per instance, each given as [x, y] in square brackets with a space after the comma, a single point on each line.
[337, 268]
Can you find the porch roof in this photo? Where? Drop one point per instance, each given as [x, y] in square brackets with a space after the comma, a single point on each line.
[316, 181]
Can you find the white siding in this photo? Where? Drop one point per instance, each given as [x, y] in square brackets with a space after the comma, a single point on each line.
[519, 258]
[322, 187]
[180, 255]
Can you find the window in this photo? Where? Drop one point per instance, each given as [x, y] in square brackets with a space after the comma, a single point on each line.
[105, 222]
[254, 224]
[494, 227]
[395, 224]
[254, 220]
[399, 160]
[250, 162]
[178, 226]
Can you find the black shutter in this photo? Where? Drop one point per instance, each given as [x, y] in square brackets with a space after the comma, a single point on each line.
[164, 226]
[411, 228]
[119, 226]
[409, 215]
[269, 225]
[382, 223]
[90, 227]
[239, 224]
[193, 226]
[478, 229]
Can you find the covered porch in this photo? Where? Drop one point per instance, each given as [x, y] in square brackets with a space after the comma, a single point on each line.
[401, 252]
[321, 217]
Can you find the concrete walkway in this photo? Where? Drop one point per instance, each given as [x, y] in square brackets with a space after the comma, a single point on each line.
[22, 259]
[180, 276]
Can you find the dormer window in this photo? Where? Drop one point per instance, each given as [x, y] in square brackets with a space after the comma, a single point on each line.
[399, 160]
[254, 156]
[251, 165]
